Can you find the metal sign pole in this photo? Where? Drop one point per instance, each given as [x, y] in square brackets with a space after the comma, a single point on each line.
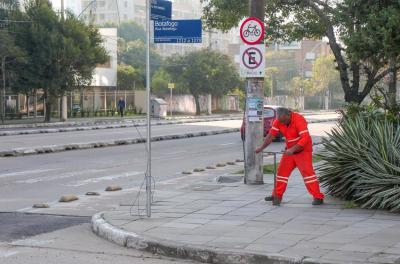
[148, 174]
[274, 172]
[170, 104]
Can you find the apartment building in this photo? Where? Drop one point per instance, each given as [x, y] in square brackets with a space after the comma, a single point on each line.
[117, 11]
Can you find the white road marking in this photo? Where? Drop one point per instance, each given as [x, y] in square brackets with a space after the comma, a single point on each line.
[174, 153]
[7, 253]
[19, 173]
[227, 144]
[57, 177]
[105, 178]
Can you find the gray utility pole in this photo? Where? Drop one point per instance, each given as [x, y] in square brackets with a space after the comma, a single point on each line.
[63, 103]
[254, 130]
[148, 174]
[3, 92]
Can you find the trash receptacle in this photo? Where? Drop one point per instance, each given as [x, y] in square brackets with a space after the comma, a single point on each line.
[158, 108]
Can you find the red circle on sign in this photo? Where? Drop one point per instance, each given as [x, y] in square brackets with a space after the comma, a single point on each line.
[256, 64]
[262, 33]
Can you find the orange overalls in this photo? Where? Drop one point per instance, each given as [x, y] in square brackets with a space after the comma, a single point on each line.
[296, 133]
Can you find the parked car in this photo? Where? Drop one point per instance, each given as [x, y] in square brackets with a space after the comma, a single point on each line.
[270, 114]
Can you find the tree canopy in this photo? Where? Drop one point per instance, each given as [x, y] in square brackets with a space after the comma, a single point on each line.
[61, 53]
[314, 20]
[203, 72]
[129, 78]
[134, 54]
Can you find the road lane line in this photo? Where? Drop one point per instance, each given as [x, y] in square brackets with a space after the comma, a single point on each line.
[227, 144]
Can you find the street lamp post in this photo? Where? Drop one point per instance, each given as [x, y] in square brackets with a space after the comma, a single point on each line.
[3, 94]
[148, 174]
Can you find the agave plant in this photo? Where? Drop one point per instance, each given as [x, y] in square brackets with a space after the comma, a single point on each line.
[362, 162]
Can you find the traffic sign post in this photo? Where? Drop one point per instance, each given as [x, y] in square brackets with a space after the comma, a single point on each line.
[252, 67]
[161, 9]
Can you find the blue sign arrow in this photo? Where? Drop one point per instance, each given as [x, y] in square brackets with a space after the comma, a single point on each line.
[161, 9]
[178, 31]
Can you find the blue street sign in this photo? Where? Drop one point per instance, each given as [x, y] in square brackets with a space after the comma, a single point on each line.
[161, 9]
[177, 31]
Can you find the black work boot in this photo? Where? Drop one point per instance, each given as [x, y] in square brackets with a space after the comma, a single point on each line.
[277, 201]
[269, 198]
[318, 201]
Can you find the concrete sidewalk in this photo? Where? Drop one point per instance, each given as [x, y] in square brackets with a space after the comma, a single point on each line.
[195, 217]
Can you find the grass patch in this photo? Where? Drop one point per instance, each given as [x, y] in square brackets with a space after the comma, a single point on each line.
[316, 158]
[269, 169]
[350, 205]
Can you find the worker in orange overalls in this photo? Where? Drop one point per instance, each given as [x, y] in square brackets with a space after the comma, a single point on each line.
[298, 153]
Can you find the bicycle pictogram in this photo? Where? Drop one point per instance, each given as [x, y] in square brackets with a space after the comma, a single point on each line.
[251, 30]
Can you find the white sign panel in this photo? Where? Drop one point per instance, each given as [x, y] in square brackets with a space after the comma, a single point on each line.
[252, 61]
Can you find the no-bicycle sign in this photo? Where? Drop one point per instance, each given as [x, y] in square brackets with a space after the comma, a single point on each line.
[252, 31]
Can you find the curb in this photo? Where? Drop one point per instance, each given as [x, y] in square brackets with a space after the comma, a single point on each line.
[125, 124]
[17, 152]
[186, 251]
[79, 146]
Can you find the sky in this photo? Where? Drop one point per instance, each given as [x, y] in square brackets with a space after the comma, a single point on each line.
[74, 5]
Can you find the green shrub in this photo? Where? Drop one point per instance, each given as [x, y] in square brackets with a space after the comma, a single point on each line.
[361, 161]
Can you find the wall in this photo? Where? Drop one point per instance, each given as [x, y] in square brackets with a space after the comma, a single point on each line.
[186, 103]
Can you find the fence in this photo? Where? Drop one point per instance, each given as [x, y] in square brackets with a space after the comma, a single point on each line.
[80, 104]
[307, 102]
[98, 103]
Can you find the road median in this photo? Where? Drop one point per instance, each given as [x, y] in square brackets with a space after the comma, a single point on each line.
[16, 152]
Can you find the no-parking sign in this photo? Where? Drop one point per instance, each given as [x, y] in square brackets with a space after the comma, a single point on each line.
[252, 61]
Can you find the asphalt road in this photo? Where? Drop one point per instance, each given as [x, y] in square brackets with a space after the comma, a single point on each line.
[75, 245]
[27, 180]
[38, 140]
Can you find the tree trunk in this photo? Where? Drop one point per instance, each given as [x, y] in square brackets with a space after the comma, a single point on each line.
[27, 105]
[48, 105]
[197, 102]
[392, 83]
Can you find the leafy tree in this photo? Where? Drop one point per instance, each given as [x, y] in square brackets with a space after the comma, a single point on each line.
[270, 81]
[204, 72]
[128, 77]
[131, 31]
[378, 40]
[159, 82]
[62, 54]
[134, 55]
[324, 75]
[333, 19]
